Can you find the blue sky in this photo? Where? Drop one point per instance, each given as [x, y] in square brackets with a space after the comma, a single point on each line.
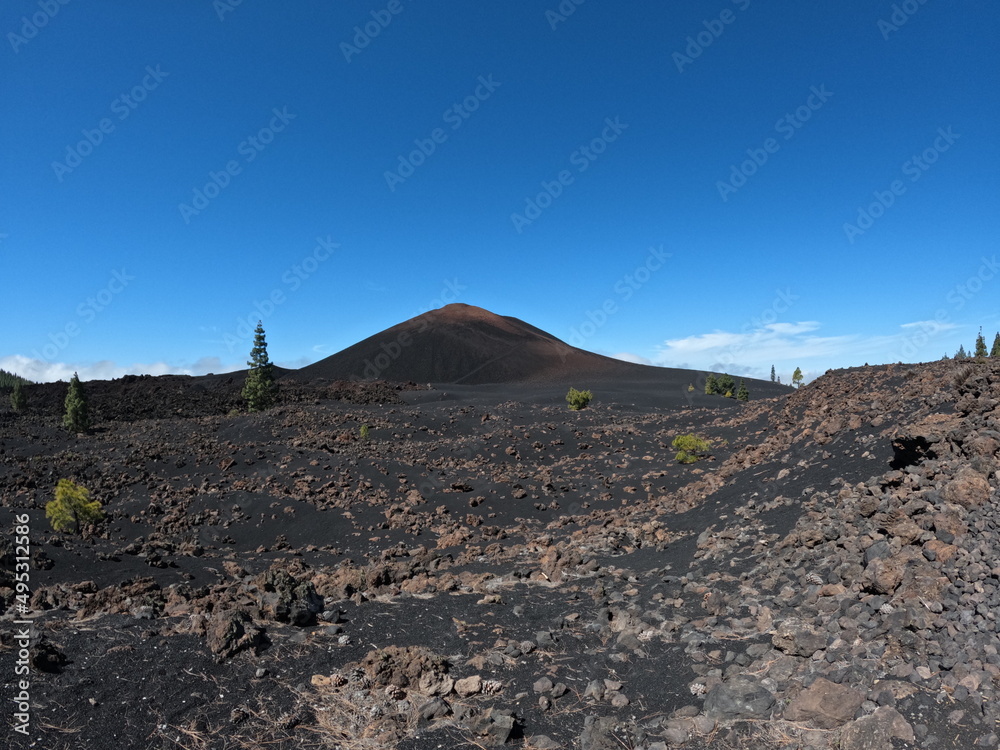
[723, 184]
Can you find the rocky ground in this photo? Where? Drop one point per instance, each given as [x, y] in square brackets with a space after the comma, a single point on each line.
[487, 568]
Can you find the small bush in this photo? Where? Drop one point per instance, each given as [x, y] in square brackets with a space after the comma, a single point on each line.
[72, 507]
[578, 399]
[690, 448]
[363, 432]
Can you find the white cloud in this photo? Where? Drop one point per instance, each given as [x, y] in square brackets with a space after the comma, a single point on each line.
[930, 326]
[634, 358]
[49, 372]
[798, 344]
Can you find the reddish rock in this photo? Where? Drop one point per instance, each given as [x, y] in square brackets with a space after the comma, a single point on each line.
[969, 488]
[825, 704]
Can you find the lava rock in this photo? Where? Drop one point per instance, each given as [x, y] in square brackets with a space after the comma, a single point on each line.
[825, 704]
[740, 698]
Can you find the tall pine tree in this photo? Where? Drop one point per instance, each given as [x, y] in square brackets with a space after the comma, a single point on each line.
[980, 345]
[772, 373]
[742, 394]
[995, 351]
[797, 377]
[260, 390]
[76, 418]
[17, 398]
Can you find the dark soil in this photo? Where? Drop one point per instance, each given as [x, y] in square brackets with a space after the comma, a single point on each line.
[489, 568]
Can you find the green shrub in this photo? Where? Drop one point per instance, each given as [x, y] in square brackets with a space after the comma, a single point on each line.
[578, 399]
[363, 432]
[711, 385]
[76, 418]
[72, 507]
[690, 448]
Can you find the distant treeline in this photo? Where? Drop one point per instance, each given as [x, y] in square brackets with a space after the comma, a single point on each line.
[980, 351]
[9, 379]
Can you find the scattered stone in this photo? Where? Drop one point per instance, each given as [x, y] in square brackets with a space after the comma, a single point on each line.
[232, 631]
[740, 698]
[469, 686]
[798, 639]
[824, 704]
[542, 685]
[875, 732]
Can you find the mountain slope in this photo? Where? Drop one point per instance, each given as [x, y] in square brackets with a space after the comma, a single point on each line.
[469, 345]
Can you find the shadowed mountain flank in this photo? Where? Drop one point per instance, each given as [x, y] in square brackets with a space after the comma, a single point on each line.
[468, 345]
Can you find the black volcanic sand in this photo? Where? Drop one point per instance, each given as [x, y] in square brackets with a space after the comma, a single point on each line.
[276, 581]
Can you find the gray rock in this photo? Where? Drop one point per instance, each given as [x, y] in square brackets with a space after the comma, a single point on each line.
[875, 732]
[599, 734]
[878, 551]
[542, 685]
[796, 638]
[740, 698]
[436, 708]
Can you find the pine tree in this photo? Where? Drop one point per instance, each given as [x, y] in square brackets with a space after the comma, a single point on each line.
[779, 380]
[260, 390]
[960, 354]
[17, 397]
[772, 373]
[76, 418]
[727, 386]
[995, 351]
[980, 345]
[711, 385]
[742, 394]
[797, 377]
